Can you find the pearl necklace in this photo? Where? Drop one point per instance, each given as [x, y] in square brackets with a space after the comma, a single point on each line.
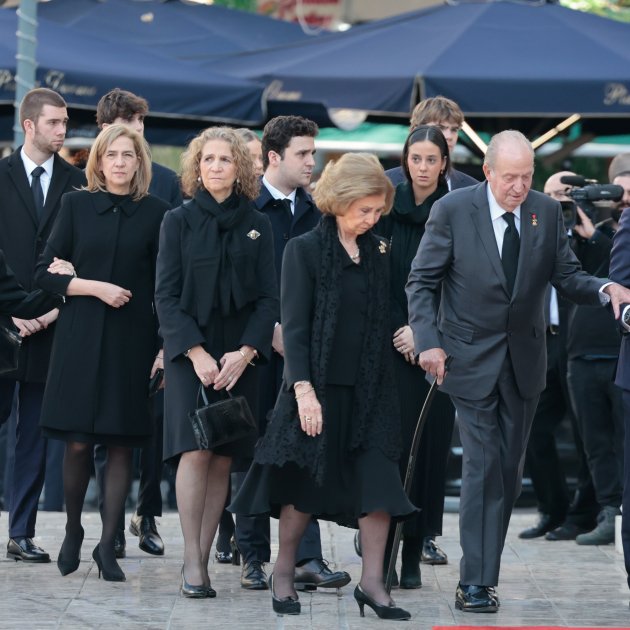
[353, 257]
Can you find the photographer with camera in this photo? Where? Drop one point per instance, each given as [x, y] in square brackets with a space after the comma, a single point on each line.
[559, 517]
[592, 349]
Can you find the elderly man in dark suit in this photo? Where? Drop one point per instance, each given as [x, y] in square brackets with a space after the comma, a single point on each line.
[489, 252]
[32, 181]
[442, 112]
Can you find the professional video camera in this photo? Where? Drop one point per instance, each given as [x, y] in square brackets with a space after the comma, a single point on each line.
[590, 196]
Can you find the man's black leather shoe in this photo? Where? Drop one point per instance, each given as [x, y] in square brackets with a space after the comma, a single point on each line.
[432, 553]
[566, 531]
[316, 573]
[120, 544]
[476, 599]
[26, 550]
[545, 524]
[253, 576]
[146, 529]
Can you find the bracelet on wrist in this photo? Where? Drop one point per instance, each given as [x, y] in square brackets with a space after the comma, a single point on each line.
[248, 361]
[307, 391]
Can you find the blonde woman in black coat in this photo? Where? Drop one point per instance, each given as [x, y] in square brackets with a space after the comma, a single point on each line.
[217, 303]
[106, 344]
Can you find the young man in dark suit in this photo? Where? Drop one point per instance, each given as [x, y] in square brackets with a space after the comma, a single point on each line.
[125, 108]
[32, 181]
[489, 251]
[446, 114]
[288, 148]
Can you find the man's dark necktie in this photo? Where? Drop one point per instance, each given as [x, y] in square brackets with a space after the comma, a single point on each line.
[509, 252]
[286, 202]
[38, 191]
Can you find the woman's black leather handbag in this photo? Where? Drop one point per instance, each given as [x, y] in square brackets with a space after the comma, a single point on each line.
[222, 422]
[10, 344]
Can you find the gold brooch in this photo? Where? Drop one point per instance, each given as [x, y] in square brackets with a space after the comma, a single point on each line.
[253, 234]
[382, 247]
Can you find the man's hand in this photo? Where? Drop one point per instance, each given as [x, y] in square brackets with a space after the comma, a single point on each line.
[618, 295]
[585, 228]
[432, 361]
[277, 342]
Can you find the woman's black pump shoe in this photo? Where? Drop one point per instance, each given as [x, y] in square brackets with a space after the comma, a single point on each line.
[67, 564]
[284, 606]
[109, 576]
[382, 611]
[196, 591]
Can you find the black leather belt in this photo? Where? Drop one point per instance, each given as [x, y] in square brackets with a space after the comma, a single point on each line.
[552, 329]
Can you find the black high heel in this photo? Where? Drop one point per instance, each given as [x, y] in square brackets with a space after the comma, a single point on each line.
[236, 554]
[286, 605]
[109, 576]
[382, 611]
[67, 565]
[195, 591]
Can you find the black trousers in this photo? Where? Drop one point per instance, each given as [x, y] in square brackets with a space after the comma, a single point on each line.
[542, 459]
[599, 411]
[625, 518]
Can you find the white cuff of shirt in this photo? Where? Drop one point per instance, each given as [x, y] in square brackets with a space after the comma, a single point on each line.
[604, 298]
[622, 319]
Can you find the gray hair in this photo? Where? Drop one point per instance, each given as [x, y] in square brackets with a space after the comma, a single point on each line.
[502, 138]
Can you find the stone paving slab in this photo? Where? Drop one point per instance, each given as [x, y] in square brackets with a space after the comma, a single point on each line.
[542, 583]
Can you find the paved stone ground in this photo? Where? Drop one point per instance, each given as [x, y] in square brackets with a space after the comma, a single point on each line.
[542, 583]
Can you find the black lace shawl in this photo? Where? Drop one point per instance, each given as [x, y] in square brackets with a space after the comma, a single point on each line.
[376, 418]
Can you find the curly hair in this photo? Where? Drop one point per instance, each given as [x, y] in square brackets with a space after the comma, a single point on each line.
[352, 177]
[142, 177]
[119, 103]
[247, 183]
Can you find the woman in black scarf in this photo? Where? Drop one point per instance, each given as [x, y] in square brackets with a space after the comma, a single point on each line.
[217, 303]
[425, 161]
[333, 440]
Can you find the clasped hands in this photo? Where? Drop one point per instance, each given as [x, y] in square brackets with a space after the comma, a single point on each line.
[224, 373]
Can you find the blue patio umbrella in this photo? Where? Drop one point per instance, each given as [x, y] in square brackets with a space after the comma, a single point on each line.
[496, 59]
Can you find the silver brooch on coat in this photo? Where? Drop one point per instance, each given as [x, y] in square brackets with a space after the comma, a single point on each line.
[253, 234]
[382, 247]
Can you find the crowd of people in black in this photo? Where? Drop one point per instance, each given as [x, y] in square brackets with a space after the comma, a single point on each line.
[329, 314]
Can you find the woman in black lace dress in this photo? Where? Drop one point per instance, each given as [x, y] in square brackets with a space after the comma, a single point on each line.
[333, 441]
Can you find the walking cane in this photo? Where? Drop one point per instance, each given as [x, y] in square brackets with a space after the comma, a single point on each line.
[411, 466]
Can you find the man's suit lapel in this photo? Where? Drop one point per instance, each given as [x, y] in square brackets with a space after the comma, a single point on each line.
[17, 173]
[58, 184]
[480, 214]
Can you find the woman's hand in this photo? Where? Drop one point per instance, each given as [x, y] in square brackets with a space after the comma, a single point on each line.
[233, 364]
[61, 267]
[403, 342]
[310, 412]
[205, 366]
[112, 294]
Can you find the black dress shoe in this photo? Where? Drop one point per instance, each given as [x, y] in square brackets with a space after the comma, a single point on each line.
[476, 599]
[566, 531]
[120, 544]
[146, 529]
[546, 522]
[26, 550]
[253, 576]
[316, 573]
[432, 553]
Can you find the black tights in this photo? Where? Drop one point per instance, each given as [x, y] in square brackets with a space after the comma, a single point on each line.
[77, 467]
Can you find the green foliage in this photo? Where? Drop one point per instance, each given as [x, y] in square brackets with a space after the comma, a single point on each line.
[242, 5]
[614, 9]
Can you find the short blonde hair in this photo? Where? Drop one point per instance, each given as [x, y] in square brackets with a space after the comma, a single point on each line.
[142, 178]
[352, 177]
[247, 182]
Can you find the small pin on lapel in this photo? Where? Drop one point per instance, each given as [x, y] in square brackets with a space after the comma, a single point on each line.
[382, 247]
[253, 234]
[534, 220]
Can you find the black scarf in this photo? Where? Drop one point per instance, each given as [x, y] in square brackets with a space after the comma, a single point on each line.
[219, 235]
